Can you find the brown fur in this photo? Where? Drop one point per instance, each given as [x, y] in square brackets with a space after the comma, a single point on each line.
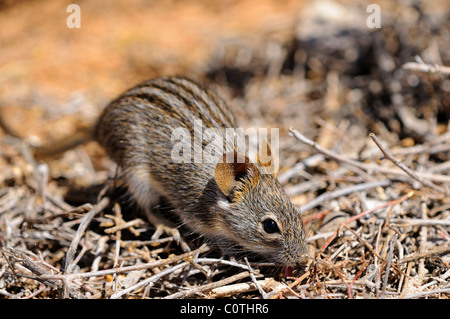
[225, 202]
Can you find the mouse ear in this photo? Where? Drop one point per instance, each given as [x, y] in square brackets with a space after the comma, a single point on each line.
[267, 159]
[232, 170]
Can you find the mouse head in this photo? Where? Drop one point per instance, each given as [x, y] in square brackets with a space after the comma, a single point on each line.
[256, 212]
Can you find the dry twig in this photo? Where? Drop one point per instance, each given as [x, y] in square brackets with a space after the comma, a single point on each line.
[408, 171]
[427, 68]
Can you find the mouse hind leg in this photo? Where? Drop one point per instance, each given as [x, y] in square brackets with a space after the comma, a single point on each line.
[145, 192]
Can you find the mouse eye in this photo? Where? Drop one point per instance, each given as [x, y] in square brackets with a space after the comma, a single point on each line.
[270, 226]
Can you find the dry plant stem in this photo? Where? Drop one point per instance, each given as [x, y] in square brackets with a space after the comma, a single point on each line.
[221, 261]
[253, 278]
[300, 167]
[130, 224]
[442, 167]
[81, 229]
[8, 262]
[365, 243]
[408, 171]
[443, 233]
[238, 288]
[118, 216]
[9, 295]
[295, 283]
[423, 243]
[149, 280]
[153, 264]
[184, 294]
[84, 249]
[419, 222]
[300, 137]
[336, 270]
[342, 192]
[319, 236]
[11, 199]
[40, 271]
[427, 68]
[363, 267]
[388, 266]
[427, 293]
[373, 251]
[369, 168]
[394, 202]
[387, 224]
[101, 244]
[406, 284]
[77, 212]
[437, 144]
[293, 292]
[377, 242]
[424, 148]
[432, 252]
[70, 262]
[220, 283]
[37, 292]
[37, 269]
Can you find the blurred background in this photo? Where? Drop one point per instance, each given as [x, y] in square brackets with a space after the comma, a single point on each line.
[315, 66]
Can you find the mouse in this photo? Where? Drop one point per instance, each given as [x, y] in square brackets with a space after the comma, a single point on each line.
[226, 196]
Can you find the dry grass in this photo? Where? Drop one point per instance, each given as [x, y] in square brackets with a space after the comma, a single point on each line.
[376, 205]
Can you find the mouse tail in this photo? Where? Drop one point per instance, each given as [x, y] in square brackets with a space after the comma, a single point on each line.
[81, 137]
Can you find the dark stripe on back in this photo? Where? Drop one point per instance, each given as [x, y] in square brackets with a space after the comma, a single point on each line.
[210, 108]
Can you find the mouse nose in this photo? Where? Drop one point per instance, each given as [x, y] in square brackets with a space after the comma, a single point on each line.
[296, 254]
[303, 260]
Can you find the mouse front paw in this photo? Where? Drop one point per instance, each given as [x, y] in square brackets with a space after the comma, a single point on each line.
[162, 228]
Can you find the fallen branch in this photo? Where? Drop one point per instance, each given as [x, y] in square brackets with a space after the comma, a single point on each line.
[437, 251]
[149, 280]
[210, 286]
[403, 167]
[342, 192]
[369, 168]
[119, 270]
[427, 68]
[81, 229]
[300, 137]
[239, 288]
